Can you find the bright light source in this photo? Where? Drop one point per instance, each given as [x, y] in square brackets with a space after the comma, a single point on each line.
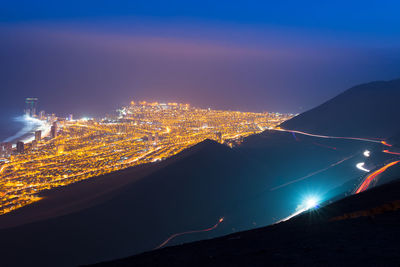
[367, 153]
[360, 166]
[310, 203]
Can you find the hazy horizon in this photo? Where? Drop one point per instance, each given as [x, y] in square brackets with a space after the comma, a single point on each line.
[90, 58]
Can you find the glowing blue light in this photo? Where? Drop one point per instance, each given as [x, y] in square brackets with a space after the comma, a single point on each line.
[310, 203]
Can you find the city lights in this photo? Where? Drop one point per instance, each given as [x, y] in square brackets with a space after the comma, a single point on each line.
[142, 132]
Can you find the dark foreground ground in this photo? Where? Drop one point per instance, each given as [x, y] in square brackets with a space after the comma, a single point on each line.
[360, 230]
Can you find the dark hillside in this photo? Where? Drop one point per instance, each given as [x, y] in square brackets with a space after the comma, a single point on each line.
[367, 110]
[358, 230]
[189, 191]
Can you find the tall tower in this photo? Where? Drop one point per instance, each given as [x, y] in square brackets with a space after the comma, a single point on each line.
[53, 131]
[30, 106]
[38, 135]
[20, 147]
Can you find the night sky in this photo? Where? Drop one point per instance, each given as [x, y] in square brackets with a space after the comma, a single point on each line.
[89, 57]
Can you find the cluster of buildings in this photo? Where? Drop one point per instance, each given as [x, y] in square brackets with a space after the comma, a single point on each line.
[7, 149]
[142, 133]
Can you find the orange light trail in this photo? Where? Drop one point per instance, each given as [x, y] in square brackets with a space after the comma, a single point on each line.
[190, 232]
[385, 143]
[391, 152]
[373, 175]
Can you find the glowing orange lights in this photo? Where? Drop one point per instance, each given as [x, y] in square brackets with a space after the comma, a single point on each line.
[144, 132]
[385, 143]
[390, 152]
[373, 175]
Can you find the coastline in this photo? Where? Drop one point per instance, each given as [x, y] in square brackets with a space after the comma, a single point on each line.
[27, 133]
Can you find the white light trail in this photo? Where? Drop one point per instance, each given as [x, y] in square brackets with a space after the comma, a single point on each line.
[360, 166]
[311, 174]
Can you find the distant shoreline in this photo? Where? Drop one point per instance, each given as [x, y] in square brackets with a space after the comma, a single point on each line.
[27, 133]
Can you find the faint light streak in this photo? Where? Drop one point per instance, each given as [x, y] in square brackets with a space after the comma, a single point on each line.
[373, 140]
[311, 174]
[190, 232]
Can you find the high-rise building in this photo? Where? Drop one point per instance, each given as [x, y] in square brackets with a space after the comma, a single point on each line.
[42, 115]
[2, 150]
[5, 149]
[34, 144]
[38, 135]
[20, 147]
[70, 117]
[53, 130]
[30, 106]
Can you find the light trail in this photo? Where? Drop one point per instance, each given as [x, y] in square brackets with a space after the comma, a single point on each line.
[364, 185]
[190, 232]
[391, 152]
[385, 143]
[312, 174]
[334, 137]
[360, 166]
[3, 168]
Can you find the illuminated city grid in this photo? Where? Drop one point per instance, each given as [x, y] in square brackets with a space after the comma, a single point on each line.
[142, 133]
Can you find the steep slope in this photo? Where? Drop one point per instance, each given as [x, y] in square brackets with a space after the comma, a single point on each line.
[360, 230]
[257, 183]
[367, 110]
[189, 191]
[175, 197]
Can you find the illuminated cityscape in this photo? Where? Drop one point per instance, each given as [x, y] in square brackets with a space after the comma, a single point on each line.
[74, 150]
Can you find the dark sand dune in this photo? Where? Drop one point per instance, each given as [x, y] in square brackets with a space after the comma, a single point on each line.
[367, 110]
[135, 210]
[361, 230]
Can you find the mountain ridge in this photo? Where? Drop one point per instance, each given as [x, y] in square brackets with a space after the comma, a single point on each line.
[370, 104]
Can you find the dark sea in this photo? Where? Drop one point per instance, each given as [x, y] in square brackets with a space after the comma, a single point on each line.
[11, 125]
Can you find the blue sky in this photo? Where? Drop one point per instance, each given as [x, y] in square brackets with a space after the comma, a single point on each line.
[88, 57]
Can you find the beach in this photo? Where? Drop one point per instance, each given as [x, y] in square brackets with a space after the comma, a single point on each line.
[28, 127]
